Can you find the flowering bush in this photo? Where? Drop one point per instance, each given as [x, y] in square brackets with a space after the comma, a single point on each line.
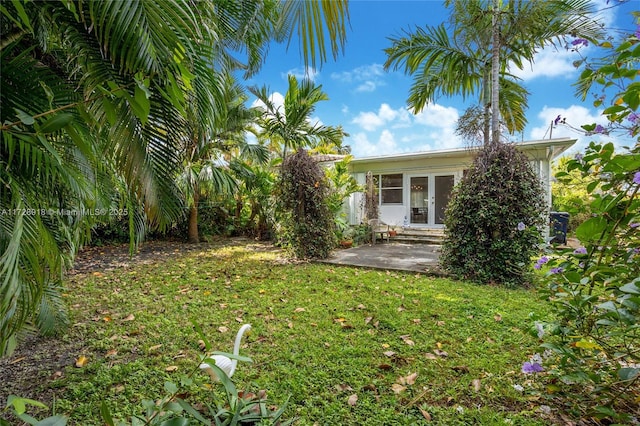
[491, 234]
[595, 288]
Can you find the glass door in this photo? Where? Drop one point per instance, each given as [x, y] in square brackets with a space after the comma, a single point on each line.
[419, 197]
[442, 191]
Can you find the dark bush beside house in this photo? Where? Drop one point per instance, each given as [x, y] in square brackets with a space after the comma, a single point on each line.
[306, 218]
[493, 219]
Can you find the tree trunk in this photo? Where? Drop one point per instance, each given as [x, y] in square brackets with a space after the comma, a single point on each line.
[486, 95]
[193, 220]
[495, 75]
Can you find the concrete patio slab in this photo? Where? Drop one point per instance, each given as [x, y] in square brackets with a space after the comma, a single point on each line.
[391, 256]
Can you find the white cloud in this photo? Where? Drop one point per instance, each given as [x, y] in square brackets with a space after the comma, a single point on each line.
[368, 77]
[370, 120]
[439, 116]
[301, 73]
[367, 86]
[362, 147]
[401, 131]
[549, 62]
[363, 73]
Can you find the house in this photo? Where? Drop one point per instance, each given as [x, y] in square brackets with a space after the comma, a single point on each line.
[414, 188]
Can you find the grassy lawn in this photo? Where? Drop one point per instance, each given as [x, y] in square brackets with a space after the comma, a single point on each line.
[321, 334]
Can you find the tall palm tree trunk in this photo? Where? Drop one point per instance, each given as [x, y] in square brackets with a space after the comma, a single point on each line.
[192, 231]
[495, 75]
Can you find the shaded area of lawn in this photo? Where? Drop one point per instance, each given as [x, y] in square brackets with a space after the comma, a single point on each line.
[320, 334]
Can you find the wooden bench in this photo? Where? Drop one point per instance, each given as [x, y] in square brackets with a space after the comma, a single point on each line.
[378, 228]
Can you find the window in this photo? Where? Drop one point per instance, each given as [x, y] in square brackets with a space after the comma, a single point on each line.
[391, 189]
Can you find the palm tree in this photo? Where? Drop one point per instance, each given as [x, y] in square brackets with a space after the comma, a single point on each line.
[91, 83]
[473, 59]
[289, 127]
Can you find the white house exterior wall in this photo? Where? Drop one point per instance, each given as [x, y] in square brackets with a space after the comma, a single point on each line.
[435, 163]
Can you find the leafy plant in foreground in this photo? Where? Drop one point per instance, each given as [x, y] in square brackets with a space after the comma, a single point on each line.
[595, 289]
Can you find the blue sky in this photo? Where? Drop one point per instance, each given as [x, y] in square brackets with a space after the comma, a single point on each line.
[370, 103]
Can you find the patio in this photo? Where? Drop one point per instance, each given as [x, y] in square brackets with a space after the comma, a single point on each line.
[412, 257]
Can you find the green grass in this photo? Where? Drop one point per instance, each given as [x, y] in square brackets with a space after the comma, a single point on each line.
[320, 334]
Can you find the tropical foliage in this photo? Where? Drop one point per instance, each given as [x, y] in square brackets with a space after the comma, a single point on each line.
[458, 61]
[592, 351]
[103, 105]
[288, 127]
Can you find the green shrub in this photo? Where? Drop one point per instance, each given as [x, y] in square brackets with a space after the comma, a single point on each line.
[493, 219]
[592, 345]
[306, 220]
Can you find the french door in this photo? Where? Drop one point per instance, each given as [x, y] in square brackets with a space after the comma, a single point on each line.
[429, 196]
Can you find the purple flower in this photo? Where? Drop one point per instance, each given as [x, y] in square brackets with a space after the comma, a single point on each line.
[521, 226]
[634, 224]
[557, 120]
[580, 250]
[557, 270]
[543, 260]
[580, 42]
[636, 178]
[599, 129]
[633, 117]
[578, 157]
[637, 33]
[531, 367]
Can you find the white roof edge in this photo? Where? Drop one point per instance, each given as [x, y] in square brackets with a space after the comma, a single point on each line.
[563, 143]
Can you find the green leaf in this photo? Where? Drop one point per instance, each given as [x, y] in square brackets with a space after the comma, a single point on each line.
[24, 117]
[170, 387]
[53, 421]
[106, 414]
[56, 123]
[628, 373]
[195, 413]
[22, 14]
[176, 421]
[591, 229]
[630, 288]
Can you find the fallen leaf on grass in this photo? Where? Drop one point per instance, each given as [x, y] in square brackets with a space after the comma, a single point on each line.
[129, 317]
[416, 321]
[425, 414]
[352, 400]
[223, 329]
[156, 347]
[343, 387]
[296, 310]
[290, 325]
[408, 380]
[111, 352]
[389, 353]
[440, 323]
[171, 368]
[476, 385]
[497, 317]
[367, 320]
[361, 306]
[463, 369]
[406, 339]
[397, 388]
[82, 361]
[385, 367]
[202, 345]
[438, 352]
[429, 355]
